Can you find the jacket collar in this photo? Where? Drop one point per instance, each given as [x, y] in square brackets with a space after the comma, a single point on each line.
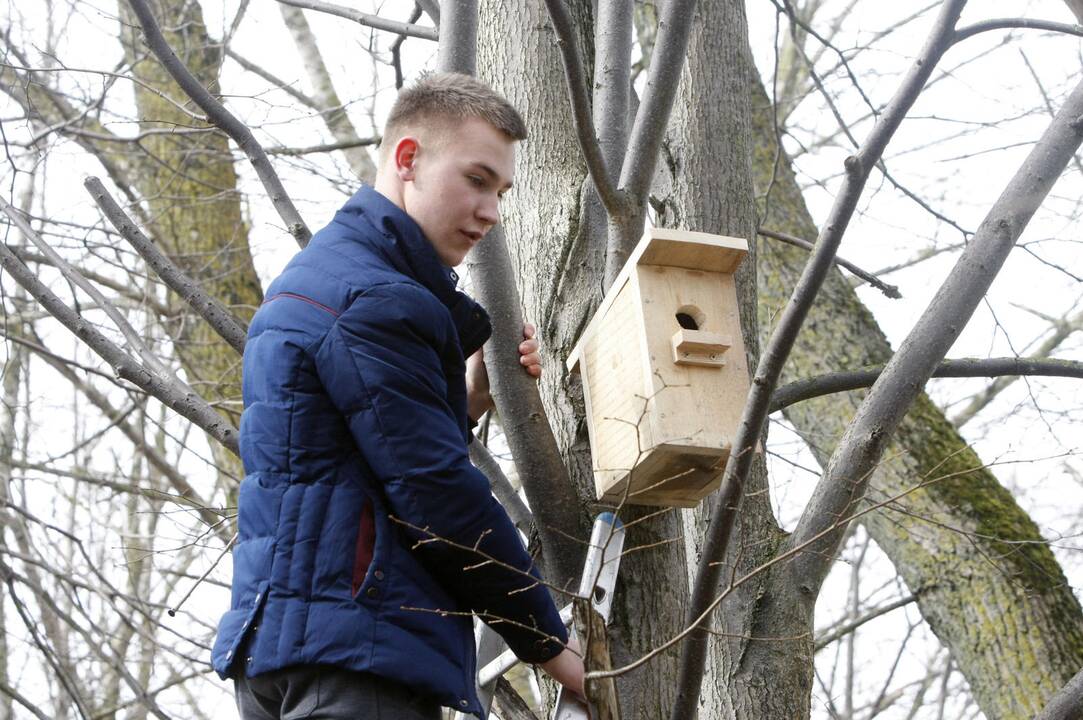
[408, 243]
[407, 248]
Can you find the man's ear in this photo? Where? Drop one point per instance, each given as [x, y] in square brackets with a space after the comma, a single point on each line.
[405, 157]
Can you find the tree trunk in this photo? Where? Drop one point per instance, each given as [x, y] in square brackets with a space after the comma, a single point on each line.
[987, 584]
[190, 185]
[323, 92]
[707, 186]
[556, 235]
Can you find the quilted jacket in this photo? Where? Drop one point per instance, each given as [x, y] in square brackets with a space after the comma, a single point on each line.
[363, 528]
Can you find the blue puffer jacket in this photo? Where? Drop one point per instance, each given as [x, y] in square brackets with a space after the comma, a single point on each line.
[360, 510]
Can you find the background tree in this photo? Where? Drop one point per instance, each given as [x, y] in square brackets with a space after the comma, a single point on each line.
[950, 529]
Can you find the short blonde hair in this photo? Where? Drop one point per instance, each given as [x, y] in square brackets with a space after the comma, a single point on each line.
[440, 100]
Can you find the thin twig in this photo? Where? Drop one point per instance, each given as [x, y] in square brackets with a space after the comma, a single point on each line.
[892, 291]
[326, 147]
[105, 73]
[372, 21]
[172, 612]
[279, 83]
[1016, 24]
[842, 630]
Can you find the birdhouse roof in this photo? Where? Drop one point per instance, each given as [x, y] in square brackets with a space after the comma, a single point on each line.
[670, 248]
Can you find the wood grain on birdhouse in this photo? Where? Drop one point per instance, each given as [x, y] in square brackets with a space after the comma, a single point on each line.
[664, 371]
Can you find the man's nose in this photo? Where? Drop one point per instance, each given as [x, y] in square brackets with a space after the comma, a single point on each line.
[489, 210]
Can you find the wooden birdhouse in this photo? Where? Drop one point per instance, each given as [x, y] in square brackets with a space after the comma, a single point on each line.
[664, 372]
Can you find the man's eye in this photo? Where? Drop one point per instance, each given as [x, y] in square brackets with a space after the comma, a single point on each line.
[475, 180]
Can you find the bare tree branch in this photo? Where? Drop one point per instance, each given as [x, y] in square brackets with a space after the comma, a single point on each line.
[46, 599]
[602, 166]
[125, 290]
[500, 485]
[278, 82]
[892, 291]
[1063, 331]
[432, 9]
[612, 79]
[846, 475]
[541, 468]
[156, 459]
[774, 355]
[841, 631]
[512, 706]
[1076, 6]
[545, 479]
[73, 275]
[17, 697]
[396, 49]
[183, 401]
[663, 77]
[1067, 704]
[842, 381]
[42, 350]
[217, 114]
[1016, 24]
[328, 147]
[116, 485]
[459, 37]
[105, 73]
[224, 322]
[372, 21]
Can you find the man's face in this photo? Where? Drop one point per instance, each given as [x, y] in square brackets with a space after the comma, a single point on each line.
[452, 189]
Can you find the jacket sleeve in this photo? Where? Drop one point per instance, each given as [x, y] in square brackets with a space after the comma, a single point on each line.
[383, 365]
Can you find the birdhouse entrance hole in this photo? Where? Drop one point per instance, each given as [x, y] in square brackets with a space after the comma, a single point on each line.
[689, 317]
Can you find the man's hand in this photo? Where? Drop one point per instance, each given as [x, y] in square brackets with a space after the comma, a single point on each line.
[567, 669]
[529, 357]
[478, 398]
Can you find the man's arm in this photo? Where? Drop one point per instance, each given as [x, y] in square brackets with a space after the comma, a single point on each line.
[381, 365]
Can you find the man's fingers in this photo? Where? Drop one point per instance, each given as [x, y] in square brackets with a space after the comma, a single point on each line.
[529, 357]
[532, 364]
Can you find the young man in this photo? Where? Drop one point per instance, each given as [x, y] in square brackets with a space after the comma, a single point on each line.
[365, 537]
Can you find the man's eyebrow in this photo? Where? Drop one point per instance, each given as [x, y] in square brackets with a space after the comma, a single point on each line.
[493, 174]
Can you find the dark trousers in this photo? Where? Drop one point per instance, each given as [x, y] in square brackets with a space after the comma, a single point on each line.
[328, 693]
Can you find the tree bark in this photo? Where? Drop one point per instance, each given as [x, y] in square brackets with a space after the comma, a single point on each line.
[988, 585]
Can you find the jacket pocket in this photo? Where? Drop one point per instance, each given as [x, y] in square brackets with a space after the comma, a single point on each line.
[366, 545]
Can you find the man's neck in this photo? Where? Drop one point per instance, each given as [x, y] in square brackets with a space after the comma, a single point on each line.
[390, 188]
